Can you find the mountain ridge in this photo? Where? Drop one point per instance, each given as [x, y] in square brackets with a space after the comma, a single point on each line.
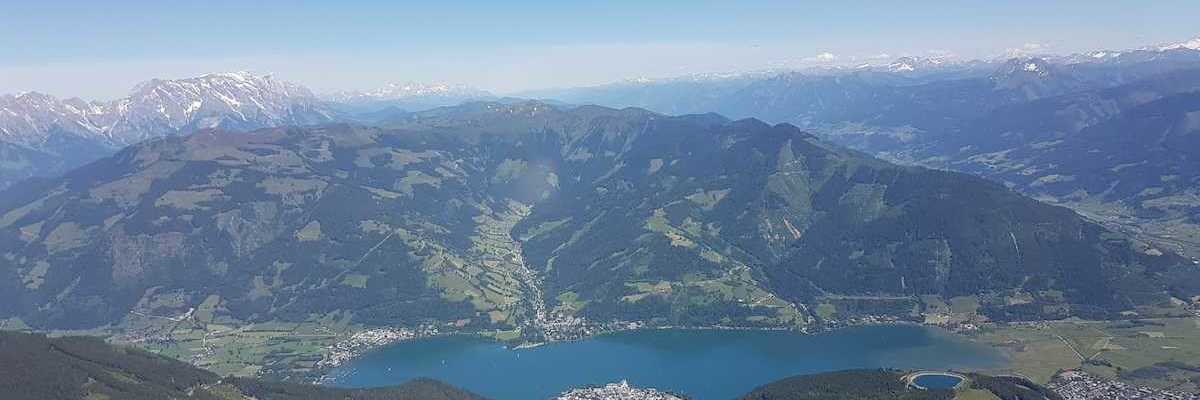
[1019, 123]
[528, 216]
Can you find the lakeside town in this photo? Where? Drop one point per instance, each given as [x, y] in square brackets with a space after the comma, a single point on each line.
[617, 391]
[363, 341]
[559, 327]
[1079, 385]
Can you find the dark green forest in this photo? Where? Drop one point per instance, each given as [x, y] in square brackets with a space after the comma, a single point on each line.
[36, 367]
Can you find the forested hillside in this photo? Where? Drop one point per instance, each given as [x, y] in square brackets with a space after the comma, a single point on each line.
[35, 367]
[492, 215]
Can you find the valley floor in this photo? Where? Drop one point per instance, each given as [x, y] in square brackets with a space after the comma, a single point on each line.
[1159, 353]
[1156, 353]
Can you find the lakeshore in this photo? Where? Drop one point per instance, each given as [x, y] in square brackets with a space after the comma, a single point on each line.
[369, 340]
[694, 362]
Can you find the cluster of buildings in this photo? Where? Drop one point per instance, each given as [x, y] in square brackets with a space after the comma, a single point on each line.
[562, 327]
[360, 342]
[1079, 385]
[617, 391]
[859, 320]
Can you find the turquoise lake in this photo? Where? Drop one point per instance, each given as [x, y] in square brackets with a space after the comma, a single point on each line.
[703, 364]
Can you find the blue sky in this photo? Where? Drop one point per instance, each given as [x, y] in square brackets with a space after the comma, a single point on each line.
[100, 49]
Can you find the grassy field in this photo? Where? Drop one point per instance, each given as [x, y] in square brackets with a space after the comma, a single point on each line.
[247, 349]
[975, 394]
[1162, 353]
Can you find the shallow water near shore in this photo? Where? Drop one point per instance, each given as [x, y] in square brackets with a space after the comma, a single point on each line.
[703, 364]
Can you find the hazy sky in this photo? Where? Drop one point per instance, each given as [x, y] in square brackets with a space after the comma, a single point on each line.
[100, 49]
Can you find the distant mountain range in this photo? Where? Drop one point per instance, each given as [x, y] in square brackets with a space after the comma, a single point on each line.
[41, 135]
[411, 91]
[729, 93]
[1108, 133]
[44, 136]
[397, 99]
[526, 215]
[508, 214]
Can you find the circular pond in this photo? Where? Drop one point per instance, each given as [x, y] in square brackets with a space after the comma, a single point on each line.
[935, 381]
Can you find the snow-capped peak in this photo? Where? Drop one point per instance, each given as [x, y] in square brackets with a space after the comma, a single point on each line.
[409, 90]
[1193, 44]
[1099, 55]
[901, 66]
[914, 64]
[240, 76]
[1023, 67]
[414, 89]
[236, 100]
[1131, 55]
